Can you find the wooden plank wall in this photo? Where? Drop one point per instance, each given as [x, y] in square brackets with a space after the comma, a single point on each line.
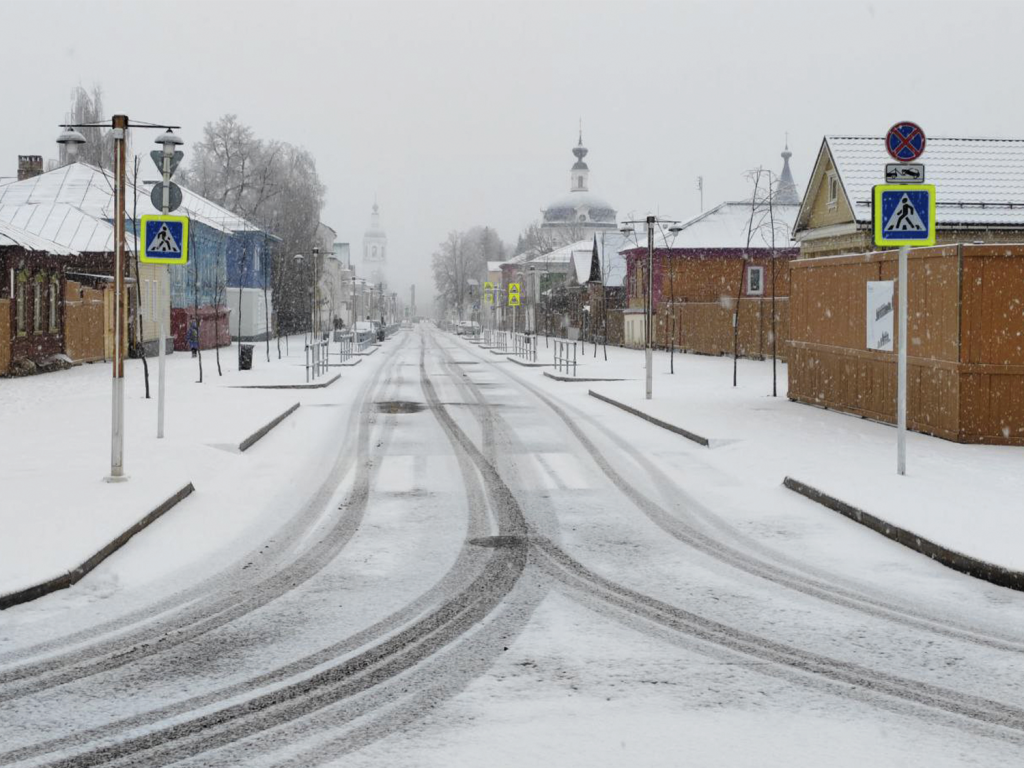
[84, 322]
[992, 377]
[706, 327]
[830, 364]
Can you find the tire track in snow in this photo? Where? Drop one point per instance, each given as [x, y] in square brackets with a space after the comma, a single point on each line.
[790, 578]
[203, 616]
[577, 577]
[368, 669]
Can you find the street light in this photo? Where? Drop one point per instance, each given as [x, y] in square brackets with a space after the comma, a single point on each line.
[627, 230]
[71, 140]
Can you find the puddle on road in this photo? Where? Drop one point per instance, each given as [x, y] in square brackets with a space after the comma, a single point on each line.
[399, 406]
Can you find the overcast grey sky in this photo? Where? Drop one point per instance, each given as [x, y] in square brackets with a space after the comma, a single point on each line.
[457, 114]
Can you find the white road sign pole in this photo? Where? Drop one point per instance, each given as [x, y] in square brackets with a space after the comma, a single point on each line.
[901, 366]
[166, 169]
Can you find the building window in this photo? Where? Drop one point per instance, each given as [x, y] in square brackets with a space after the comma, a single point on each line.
[755, 281]
[374, 252]
[20, 313]
[54, 288]
[833, 189]
[37, 305]
[579, 182]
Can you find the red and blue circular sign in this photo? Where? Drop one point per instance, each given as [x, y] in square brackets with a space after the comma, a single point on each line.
[905, 142]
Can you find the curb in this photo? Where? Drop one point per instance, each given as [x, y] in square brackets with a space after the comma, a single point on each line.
[74, 576]
[499, 353]
[559, 377]
[527, 364]
[260, 433]
[957, 561]
[346, 365]
[657, 422]
[322, 385]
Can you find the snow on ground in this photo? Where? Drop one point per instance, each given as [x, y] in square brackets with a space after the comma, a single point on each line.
[965, 497]
[55, 451]
[579, 691]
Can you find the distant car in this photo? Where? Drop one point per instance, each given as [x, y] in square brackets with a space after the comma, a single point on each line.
[467, 328]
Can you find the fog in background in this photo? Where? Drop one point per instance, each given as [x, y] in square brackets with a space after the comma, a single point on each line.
[463, 114]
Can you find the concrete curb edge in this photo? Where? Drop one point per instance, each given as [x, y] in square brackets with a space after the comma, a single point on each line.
[570, 379]
[957, 561]
[289, 386]
[260, 433]
[74, 576]
[657, 422]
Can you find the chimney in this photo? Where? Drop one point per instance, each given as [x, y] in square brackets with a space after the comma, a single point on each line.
[29, 166]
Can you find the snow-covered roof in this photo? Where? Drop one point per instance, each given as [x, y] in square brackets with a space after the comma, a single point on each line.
[64, 225]
[12, 235]
[978, 182]
[91, 190]
[726, 226]
[610, 247]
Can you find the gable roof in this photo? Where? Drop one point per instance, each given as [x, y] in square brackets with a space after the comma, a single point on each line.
[64, 225]
[91, 190]
[979, 182]
[16, 236]
[726, 226]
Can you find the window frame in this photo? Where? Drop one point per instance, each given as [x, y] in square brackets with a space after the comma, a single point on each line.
[20, 315]
[54, 319]
[751, 269]
[37, 305]
[832, 179]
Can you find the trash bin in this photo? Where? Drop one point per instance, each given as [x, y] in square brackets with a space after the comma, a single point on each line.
[245, 357]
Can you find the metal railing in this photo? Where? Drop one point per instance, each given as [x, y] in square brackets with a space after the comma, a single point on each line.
[524, 345]
[565, 355]
[317, 358]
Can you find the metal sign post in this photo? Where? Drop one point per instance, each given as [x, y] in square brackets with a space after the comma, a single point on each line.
[904, 215]
[901, 368]
[120, 130]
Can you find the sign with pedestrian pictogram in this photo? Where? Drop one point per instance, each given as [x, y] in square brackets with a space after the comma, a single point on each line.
[164, 240]
[905, 142]
[488, 293]
[513, 298]
[904, 214]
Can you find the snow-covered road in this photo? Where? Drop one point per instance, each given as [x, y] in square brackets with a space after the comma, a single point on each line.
[495, 569]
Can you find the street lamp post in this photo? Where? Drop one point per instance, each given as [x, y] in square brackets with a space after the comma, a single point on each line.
[71, 140]
[627, 229]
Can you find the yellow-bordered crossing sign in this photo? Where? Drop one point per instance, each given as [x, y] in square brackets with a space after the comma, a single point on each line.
[164, 240]
[904, 214]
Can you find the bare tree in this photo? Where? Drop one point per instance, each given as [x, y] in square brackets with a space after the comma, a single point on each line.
[138, 340]
[87, 107]
[195, 301]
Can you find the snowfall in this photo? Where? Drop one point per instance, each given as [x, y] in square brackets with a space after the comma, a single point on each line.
[553, 675]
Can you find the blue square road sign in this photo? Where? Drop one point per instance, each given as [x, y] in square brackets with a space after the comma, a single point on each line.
[904, 214]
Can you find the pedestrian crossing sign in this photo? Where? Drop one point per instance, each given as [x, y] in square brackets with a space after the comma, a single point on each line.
[164, 240]
[513, 299]
[904, 214]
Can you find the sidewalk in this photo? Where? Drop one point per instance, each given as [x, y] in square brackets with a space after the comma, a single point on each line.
[56, 511]
[967, 498]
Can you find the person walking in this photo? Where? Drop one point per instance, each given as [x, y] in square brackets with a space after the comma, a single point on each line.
[193, 337]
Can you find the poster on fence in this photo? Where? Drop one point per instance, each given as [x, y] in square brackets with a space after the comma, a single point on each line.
[880, 315]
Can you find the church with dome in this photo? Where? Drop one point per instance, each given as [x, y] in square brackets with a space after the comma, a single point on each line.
[580, 214]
